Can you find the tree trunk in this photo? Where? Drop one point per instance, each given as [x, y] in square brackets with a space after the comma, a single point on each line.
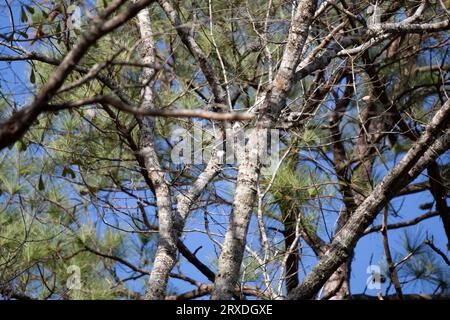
[235, 238]
[273, 102]
[166, 250]
[431, 144]
[171, 222]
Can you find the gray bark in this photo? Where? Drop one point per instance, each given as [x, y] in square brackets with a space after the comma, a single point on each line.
[338, 286]
[431, 144]
[171, 222]
[166, 249]
[248, 171]
[235, 238]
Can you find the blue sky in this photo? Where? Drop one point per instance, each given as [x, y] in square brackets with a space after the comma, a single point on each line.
[14, 79]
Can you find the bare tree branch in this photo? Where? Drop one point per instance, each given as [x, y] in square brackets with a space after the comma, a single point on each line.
[430, 145]
[12, 129]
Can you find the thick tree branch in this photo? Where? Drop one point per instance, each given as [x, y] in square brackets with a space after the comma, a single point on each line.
[430, 145]
[272, 101]
[12, 129]
[122, 106]
[402, 224]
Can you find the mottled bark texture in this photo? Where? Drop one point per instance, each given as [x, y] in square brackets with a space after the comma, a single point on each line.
[273, 101]
[434, 141]
[171, 222]
[338, 286]
[166, 250]
[235, 238]
[378, 117]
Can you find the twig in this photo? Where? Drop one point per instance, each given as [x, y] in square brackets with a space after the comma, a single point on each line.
[392, 272]
[437, 250]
